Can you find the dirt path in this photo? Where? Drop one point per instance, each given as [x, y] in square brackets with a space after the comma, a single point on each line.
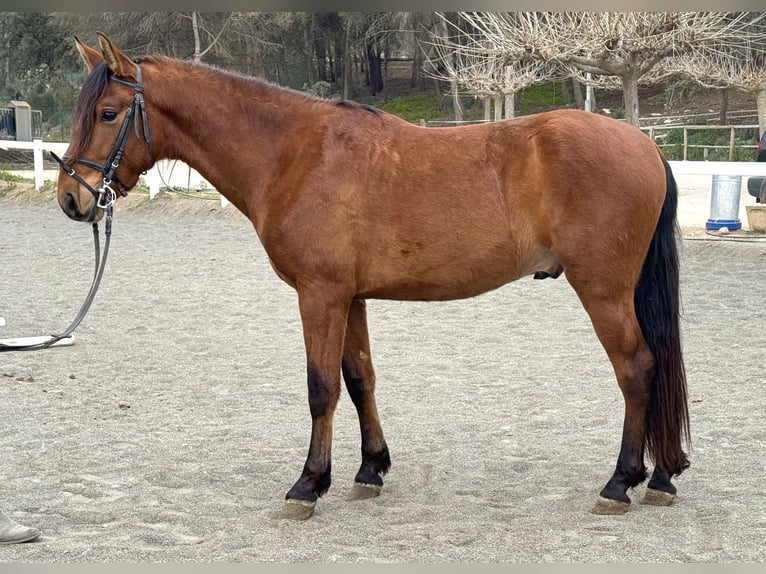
[173, 428]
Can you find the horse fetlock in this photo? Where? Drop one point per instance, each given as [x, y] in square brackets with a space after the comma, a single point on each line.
[374, 466]
[660, 482]
[367, 475]
[621, 481]
[310, 487]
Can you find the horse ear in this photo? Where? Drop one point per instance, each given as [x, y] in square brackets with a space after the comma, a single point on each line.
[120, 64]
[90, 56]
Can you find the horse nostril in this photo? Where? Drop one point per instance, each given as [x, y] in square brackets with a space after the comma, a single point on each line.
[71, 205]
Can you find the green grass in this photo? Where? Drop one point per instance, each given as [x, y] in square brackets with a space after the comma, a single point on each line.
[414, 109]
[10, 177]
[542, 95]
[432, 107]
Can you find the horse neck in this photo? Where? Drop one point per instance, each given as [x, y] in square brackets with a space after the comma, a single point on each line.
[231, 129]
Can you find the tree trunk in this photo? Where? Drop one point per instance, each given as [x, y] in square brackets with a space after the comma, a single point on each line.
[347, 64]
[487, 108]
[510, 105]
[417, 56]
[358, 69]
[579, 101]
[197, 45]
[510, 98]
[760, 99]
[565, 99]
[320, 49]
[498, 99]
[6, 63]
[630, 97]
[375, 70]
[308, 49]
[384, 87]
[456, 105]
[590, 99]
[339, 45]
[724, 106]
[437, 89]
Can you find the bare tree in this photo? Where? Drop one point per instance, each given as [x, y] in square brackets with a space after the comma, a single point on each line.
[201, 28]
[469, 61]
[742, 68]
[449, 64]
[630, 47]
[180, 34]
[488, 77]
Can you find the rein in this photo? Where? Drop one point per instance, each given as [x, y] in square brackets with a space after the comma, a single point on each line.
[97, 274]
[104, 198]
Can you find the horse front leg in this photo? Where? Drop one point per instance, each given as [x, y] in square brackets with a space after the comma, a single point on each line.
[359, 375]
[323, 313]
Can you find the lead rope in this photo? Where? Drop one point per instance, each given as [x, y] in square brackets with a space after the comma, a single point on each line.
[98, 273]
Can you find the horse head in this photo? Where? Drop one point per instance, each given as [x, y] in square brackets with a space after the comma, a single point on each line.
[110, 145]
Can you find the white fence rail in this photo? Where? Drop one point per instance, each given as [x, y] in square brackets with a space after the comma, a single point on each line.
[37, 147]
[744, 168]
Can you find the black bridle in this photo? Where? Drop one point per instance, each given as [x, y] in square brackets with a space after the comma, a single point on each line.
[104, 198]
[106, 195]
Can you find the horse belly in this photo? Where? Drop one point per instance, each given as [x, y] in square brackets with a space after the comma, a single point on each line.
[428, 276]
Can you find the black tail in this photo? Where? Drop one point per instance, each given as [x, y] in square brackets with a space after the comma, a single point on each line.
[657, 302]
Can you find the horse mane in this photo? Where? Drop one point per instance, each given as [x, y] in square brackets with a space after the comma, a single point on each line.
[356, 105]
[82, 120]
[259, 82]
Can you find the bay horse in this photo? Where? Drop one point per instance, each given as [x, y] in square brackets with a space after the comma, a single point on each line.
[351, 203]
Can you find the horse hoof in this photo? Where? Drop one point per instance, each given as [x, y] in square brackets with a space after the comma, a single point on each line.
[607, 506]
[658, 497]
[363, 491]
[298, 509]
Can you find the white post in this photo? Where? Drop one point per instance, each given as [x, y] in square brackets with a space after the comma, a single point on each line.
[588, 95]
[37, 153]
[153, 181]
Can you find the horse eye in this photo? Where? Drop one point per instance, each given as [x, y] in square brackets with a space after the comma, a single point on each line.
[108, 116]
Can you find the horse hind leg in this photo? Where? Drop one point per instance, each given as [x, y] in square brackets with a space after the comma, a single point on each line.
[617, 328]
[359, 376]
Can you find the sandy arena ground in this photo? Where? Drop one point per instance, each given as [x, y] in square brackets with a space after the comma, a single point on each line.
[172, 429]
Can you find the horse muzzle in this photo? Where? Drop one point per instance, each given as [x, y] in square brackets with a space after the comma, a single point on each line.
[102, 197]
[71, 207]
